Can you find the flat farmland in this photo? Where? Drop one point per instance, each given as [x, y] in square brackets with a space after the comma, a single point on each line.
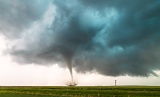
[80, 91]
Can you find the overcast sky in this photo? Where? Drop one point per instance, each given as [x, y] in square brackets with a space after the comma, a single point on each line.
[45, 42]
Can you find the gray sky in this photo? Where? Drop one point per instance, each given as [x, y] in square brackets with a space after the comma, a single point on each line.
[12, 73]
[107, 40]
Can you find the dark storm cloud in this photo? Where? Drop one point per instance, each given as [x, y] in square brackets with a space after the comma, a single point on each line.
[108, 36]
[17, 15]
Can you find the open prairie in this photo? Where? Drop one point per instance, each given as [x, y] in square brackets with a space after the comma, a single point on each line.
[80, 91]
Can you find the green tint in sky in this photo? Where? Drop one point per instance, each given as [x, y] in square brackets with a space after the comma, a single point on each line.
[108, 36]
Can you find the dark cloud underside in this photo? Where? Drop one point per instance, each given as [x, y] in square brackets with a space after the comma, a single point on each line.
[112, 37]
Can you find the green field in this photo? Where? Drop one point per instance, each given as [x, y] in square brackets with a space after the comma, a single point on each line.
[81, 91]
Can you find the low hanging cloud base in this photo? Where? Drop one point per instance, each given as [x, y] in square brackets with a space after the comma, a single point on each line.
[111, 37]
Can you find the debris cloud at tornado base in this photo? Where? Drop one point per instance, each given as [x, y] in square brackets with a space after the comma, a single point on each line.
[111, 37]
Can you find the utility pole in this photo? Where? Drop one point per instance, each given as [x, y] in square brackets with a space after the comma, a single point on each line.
[115, 82]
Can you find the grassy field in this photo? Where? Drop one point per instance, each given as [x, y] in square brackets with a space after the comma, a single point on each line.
[81, 91]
